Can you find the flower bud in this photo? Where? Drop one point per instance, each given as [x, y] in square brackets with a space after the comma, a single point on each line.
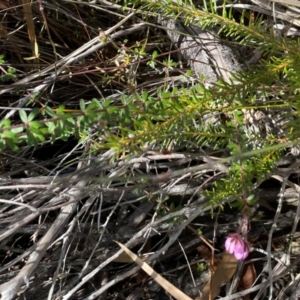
[237, 246]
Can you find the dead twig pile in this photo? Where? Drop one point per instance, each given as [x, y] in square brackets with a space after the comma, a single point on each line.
[63, 206]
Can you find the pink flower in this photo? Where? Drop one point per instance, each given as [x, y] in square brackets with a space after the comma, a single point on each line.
[237, 246]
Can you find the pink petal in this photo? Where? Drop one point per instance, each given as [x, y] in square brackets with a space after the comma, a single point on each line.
[235, 245]
[228, 244]
[239, 256]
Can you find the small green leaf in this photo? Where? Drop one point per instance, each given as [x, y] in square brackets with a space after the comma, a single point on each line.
[252, 200]
[33, 114]
[5, 123]
[112, 109]
[50, 112]
[12, 145]
[39, 136]
[23, 116]
[154, 54]
[94, 105]
[9, 134]
[61, 110]
[51, 127]
[82, 105]
[31, 139]
[35, 130]
[2, 145]
[17, 130]
[106, 103]
[35, 124]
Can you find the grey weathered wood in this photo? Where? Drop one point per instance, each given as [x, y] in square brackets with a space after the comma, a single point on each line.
[202, 49]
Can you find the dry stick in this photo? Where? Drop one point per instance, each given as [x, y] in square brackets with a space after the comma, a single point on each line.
[85, 50]
[60, 261]
[13, 228]
[9, 289]
[251, 290]
[13, 216]
[33, 209]
[289, 2]
[292, 287]
[281, 269]
[92, 48]
[17, 259]
[199, 209]
[165, 284]
[41, 7]
[31, 31]
[189, 267]
[279, 13]
[274, 225]
[83, 271]
[210, 164]
[104, 288]
[25, 186]
[172, 239]
[296, 221]
[19, 197]
[284, 182]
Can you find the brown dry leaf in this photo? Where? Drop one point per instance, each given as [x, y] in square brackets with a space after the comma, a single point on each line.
[207, 255]
[205, 252]
[169, 287]
[248, 278]
[223, 274]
